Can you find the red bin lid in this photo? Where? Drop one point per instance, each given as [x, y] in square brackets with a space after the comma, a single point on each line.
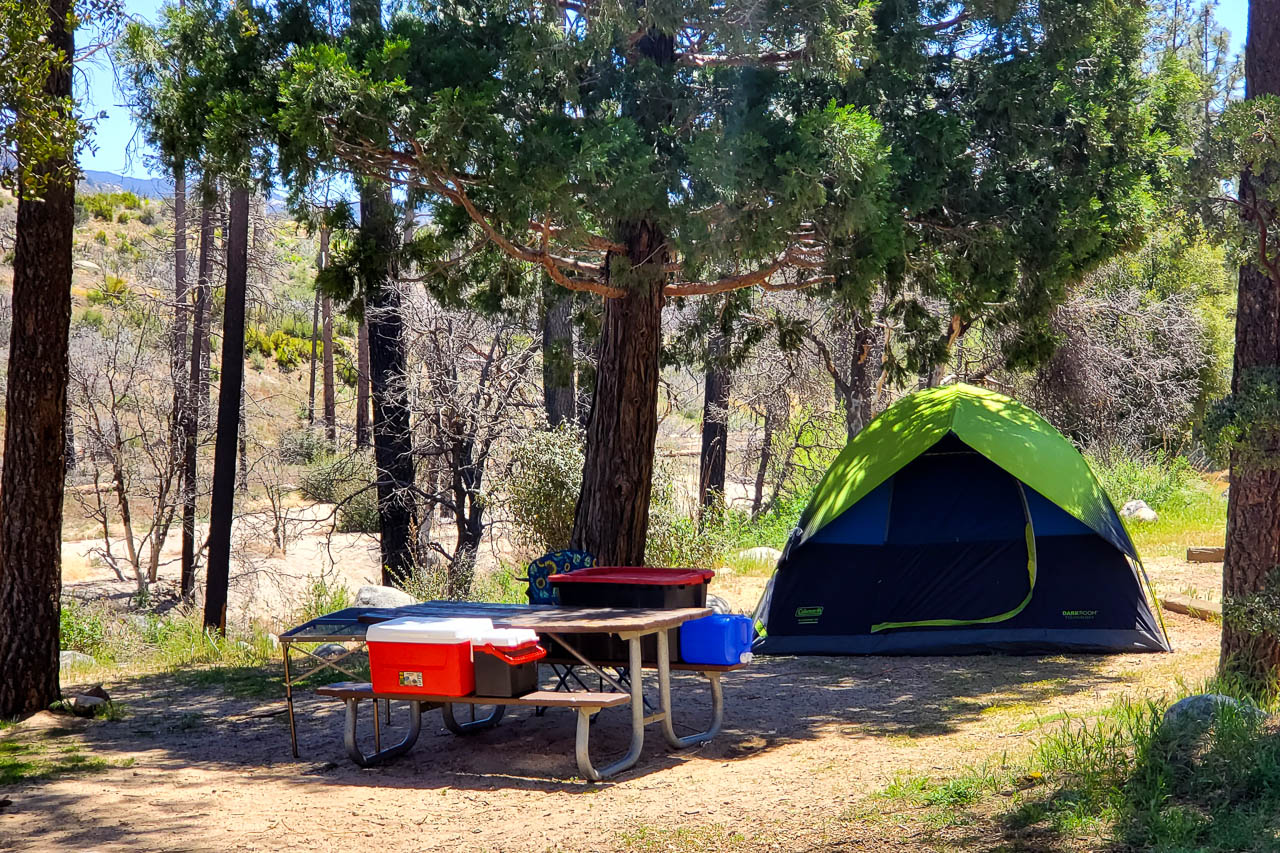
[636, 575]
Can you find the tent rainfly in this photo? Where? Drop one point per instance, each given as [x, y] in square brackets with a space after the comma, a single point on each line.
[958, 522]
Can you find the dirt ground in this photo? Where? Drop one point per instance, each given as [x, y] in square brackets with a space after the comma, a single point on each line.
[806, 742]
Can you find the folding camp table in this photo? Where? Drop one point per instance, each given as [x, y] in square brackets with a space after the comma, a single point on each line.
[554, 622]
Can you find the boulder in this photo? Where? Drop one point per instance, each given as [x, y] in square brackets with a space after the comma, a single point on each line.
[70, 658]
[330, 650]
[97, 692]
[85, 706]
[383, 596]
[758, 558]
[1196, 713]
[1138, 511]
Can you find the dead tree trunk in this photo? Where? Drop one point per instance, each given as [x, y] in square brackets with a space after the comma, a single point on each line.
[326, 314]
[392, 439]
[191, 413]
[315, 334]
[713, 459]
[558, 355]
[222, 508]
[1252, 565]
[31, 487]
[362, 385]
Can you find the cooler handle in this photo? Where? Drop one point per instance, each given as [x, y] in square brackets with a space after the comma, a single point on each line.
[526, 656]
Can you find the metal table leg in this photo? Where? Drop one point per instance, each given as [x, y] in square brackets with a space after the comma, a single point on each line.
[288, 698]
[380, 755]
[473, 725]
[664, 696]
[583, 748]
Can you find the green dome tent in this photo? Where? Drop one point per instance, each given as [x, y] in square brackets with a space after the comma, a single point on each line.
[958, 521]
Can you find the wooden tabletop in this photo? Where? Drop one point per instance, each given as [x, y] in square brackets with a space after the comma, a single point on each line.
[544, 618]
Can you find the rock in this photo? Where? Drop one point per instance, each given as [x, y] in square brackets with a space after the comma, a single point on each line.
[383, 596]
[85, 706]
[759, 558]
[718, 604]
[97, 692]
[70, 658]
[1138, 511]
[330, 650]
[1196, 713]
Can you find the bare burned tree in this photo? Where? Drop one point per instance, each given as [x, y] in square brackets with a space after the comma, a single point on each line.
[475, 388]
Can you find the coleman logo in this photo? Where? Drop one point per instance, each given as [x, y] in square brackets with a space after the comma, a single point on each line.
[410, 679]
[808, 615]
[1080, 615]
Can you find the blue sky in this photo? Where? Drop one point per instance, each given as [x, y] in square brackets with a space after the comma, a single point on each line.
[115, 132]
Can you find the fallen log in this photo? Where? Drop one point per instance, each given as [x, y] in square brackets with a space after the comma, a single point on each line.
[1209, 611]
[1206, 555]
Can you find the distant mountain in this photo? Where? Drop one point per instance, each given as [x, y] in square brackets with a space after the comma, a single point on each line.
[102, 182]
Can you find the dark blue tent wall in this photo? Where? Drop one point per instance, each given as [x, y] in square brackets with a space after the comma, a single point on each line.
[945, 539]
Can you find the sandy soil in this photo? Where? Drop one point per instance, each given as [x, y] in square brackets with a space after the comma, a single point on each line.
[806, 741]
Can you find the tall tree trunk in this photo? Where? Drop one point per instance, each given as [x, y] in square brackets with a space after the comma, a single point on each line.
[715, 425]
[362, 384]
[31, 487]
[392, 440]
[776, 409]
[558, 357]
[329, 416]
[860, 388]
[612, 517]
[1253, 509]
[315, 334]
[330, 401]
[222, 508]
[178, 357]
[191, 413]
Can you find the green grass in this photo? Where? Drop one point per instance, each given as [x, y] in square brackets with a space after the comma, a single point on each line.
[1118, 776]
[1191, 509]
[22, 762]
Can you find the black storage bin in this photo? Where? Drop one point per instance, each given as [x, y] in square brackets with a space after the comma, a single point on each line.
[496, 677]
[607, 586]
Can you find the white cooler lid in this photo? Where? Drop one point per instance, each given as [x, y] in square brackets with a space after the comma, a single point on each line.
[506, 638]
[425, 629]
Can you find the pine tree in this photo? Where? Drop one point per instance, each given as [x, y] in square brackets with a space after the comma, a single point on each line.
[648, 152]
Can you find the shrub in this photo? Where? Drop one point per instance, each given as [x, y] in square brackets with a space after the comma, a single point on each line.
[324, 594]
[147, 216]
[328, 475]
[1163, 481]
[83, 629]
[543, 480]
[91, 318]
[358, 508]
[348, 482]
[302, 446]
[114, 291]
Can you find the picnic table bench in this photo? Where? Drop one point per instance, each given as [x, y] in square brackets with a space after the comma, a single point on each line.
[630, 624]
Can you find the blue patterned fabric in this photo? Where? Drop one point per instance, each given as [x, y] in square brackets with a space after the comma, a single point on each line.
[555, 563]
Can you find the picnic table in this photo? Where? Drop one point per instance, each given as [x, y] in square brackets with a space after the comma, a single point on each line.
[550, 621]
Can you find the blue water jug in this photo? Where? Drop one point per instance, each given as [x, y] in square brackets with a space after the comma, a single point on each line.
[721, 639]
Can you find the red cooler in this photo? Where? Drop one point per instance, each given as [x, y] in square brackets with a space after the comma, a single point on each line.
[430, 657]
